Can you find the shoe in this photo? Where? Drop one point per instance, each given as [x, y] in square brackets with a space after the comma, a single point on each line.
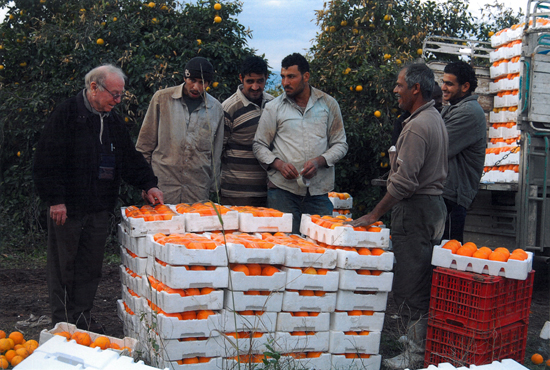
[406, 360]
[92, 325]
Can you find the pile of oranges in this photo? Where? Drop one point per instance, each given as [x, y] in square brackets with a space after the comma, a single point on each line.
[191, 241]
[255, 269]
[331, 222]
[249, 241]
[14, 348]
[161, 287]
[85, 339]
[258, 211]
[469, 249]
[293, 241]
[159, 212]
[204, 209]
[334, 194]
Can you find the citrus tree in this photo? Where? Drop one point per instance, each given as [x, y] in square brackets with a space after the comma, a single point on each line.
[359, 50]
[46, 48]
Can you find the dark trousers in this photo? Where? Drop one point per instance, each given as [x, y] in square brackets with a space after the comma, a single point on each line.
[456, 219]
[417, 225]
[75, 259]
[288, 202]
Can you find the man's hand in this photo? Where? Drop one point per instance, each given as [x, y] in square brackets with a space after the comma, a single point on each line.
[58, 213]
[311, 166]
[153, 196]
[364, 221]
[288, 170]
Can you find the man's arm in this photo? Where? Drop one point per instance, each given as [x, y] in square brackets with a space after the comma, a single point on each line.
[337, 145]
[379, 210]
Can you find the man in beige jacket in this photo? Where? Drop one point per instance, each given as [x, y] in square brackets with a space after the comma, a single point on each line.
[182, 136]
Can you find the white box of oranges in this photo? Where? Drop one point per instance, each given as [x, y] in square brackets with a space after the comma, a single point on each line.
[178, 300]
[188, 249]
[133, 281]
[304, 257]
[263, 220]
[204, 323]
[247, 342]
[364, 259]
[133, 300]
[136, 244]
[267, 277]
[133, 262]
[131, 321]
[354, 342]
[253, 300]
[238, 253]
[309, 278]
[356, 280]
[201, 217]
[231, 321]
[63, 328]
[183, 277]
[136, 223]
[344, 235]
[512, 266]
[357, 321]
[205, 363]
[177, 349]
[320, 361]
[349, 300]
[299, 321]
[309, 300]
[340, 200]
[301, 341]
[353, 362]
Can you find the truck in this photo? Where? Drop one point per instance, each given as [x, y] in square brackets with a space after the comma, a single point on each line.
[513, 211]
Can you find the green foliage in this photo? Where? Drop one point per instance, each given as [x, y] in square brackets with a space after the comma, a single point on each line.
[47, 46]
[365, 43]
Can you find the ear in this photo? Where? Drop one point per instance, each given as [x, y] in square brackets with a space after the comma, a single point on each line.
[465, 87]
[416, 89]
[241, 78]
[306, 76]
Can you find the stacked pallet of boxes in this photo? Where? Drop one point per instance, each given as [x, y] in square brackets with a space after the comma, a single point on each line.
[342, 203]
[252, 287]
[502, 154]
[363, 266]
[479, 307]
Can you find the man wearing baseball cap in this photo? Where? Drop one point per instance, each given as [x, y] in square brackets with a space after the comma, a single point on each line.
[182, 136]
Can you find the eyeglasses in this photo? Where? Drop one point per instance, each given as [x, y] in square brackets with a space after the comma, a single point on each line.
[115, 96]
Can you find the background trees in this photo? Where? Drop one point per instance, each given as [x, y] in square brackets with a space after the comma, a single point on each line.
[46, 48]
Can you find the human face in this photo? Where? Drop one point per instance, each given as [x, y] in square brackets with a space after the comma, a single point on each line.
[253, 86]
[194, 87]
[452, 89]
[105, 96]
[403, 92]
[293, 81]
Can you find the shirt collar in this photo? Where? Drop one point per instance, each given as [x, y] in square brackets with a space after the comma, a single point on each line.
[89, 106]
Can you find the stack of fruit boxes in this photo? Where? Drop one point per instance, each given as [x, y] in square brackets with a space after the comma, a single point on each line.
[476, 316]
[298, 313]
[342, 203]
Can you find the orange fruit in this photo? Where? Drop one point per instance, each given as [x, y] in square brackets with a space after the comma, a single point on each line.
[517, 256]
[204, 359]
[65, 334]
[297, 333]
[102, 342]
[196, 268]
[314, 354]
[203, 314]
[246, 313]
[537, 359]
[351, 332]
[504, 251]
[521, 252]
[376, 251]
[5, 344]
[16, 360]
[470, 245]
[465, 251]
[314, 314]
[17, 346]
[497, 256]
[310, 270]
[368, 313]
[189, 315]
[322, 271]
[254, 269]
[4, 363]
[364, 251]
[453, 245]
[190, 360]
[376, 272]
[17, 337]
[241, 268]
[207, 290]
[355, 313]
[364, 332]
[252, 292]
[351, 355]
[307, 293]
[485, 250]
[114, 346]
[10, 355]
[192, 291]
[319, 293]
[84, 339]
[363, 272]
[2, 334]
[30, 346]
[299, 313]
[269, 270]
[22, 352]
[548, 362]
[479, 254]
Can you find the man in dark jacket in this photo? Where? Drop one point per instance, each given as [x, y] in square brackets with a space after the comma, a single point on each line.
[467, 129]
[83, 153]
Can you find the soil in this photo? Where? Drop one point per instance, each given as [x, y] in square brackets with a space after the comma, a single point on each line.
[23, 292]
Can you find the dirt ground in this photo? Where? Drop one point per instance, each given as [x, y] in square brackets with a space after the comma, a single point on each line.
[23, 292]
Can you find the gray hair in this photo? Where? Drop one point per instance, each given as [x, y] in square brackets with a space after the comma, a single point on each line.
[101, 73]
[421, 74]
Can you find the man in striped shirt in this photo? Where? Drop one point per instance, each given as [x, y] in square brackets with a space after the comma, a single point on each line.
[244, 181]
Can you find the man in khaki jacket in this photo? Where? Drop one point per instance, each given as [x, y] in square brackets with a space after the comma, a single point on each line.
[182, 136]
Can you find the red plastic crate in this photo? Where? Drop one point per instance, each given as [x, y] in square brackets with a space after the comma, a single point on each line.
[480, 302]
[465, 347]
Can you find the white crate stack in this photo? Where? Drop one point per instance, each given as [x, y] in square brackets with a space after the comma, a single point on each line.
[342, 203]
[307, 317]
[502, 154]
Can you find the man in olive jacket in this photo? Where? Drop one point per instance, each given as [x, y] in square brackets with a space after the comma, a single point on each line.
[467, 130]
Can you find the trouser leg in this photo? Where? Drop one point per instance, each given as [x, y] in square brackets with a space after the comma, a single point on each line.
[456, 219]
[89, 262]
[317, 205]
[287, 202]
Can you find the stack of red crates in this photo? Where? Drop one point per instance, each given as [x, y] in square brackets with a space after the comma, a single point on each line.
[477, 319]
